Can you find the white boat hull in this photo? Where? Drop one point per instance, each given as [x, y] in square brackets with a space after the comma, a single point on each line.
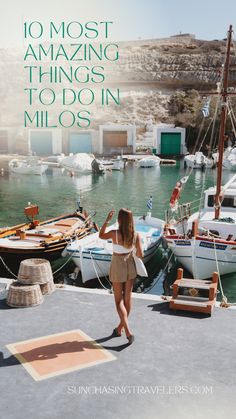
[201, 257]
[229, 161]
[198, 161]
[31, 170]
[93, 255]
[149, 162]
[118, 165]
[230, 164]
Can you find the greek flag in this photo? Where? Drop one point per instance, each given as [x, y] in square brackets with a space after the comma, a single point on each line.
[149, 203]
[205, 109]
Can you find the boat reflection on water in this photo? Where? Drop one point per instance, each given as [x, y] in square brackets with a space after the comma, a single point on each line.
[85, 182]
[26, 180]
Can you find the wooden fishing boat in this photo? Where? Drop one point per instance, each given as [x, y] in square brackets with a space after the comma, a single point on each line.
[205, 241]
[45, 239]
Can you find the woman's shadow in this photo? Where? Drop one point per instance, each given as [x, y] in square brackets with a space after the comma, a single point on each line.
[52, 351]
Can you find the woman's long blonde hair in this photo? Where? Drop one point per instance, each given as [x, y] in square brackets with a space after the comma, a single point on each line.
[126, 227]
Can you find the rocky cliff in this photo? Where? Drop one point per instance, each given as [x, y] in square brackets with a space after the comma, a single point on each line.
[158, 79]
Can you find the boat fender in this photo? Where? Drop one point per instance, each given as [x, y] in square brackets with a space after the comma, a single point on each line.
[175, 194]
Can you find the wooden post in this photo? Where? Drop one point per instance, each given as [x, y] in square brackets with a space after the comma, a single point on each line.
[215, 277]
[175, 290]
[212, 292]
[195, 228]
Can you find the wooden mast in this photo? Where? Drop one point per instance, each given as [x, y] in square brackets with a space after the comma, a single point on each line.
[224, 94]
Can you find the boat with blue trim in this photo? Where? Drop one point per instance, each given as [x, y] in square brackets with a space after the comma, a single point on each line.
[93, 255]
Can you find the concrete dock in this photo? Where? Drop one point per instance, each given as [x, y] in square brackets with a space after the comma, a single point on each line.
[180, 366]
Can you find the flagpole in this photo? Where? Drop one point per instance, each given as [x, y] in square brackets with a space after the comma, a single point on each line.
[149, 205]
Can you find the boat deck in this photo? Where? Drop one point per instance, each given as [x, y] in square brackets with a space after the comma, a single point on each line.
[180, 365]
[33, 238]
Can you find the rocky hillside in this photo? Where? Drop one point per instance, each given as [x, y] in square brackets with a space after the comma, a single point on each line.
[163, 80]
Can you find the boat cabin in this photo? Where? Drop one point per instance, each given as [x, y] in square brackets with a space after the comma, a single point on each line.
[229, 197]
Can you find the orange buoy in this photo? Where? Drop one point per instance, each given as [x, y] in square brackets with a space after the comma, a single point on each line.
[175, 194]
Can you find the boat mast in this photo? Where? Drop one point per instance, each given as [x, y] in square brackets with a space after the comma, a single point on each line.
[224, 94]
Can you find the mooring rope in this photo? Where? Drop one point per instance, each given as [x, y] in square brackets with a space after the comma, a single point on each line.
[7, 268]
[96, 272]
[224, 302]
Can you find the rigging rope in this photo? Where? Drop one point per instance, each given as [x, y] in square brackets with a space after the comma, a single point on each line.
[232, 116]
[224, 302]
[211, 142]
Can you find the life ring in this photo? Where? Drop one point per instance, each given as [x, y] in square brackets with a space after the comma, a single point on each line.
[175, 194]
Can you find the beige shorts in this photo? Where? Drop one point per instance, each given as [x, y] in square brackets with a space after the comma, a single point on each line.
[122, 268]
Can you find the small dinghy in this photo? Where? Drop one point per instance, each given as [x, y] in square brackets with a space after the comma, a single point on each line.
[118, 163]
[93, 255]
[199, 161]
[82, 163]
[30, 166]
[150, 161]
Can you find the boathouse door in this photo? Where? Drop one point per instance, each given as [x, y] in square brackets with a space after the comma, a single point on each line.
[41, 143]
[80, 143]
[170, 143]
[115, 139]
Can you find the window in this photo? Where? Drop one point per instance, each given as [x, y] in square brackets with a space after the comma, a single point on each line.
[228, 201]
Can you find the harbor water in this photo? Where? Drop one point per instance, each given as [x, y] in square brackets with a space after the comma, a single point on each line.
[57, 192]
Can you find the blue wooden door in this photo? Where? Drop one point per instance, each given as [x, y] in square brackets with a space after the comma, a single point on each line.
[80, 143]
[41, 143]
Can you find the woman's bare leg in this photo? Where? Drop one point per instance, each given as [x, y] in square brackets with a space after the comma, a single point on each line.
[127, 294]
[128, 288]
[122, 312]
[127, 297]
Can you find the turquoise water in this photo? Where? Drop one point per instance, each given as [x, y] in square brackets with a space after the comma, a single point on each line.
[57, 193]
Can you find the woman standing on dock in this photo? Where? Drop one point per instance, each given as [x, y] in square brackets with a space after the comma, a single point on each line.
[122, 269]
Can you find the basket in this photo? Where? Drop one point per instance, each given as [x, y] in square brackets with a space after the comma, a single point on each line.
[35, 271]
[24, 295]
[47, 288]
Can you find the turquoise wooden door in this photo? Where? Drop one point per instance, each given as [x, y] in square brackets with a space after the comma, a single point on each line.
[170, 143]
[80, 143]
[41, 143]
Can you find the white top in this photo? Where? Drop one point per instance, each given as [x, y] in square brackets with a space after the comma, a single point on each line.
[118, 248]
